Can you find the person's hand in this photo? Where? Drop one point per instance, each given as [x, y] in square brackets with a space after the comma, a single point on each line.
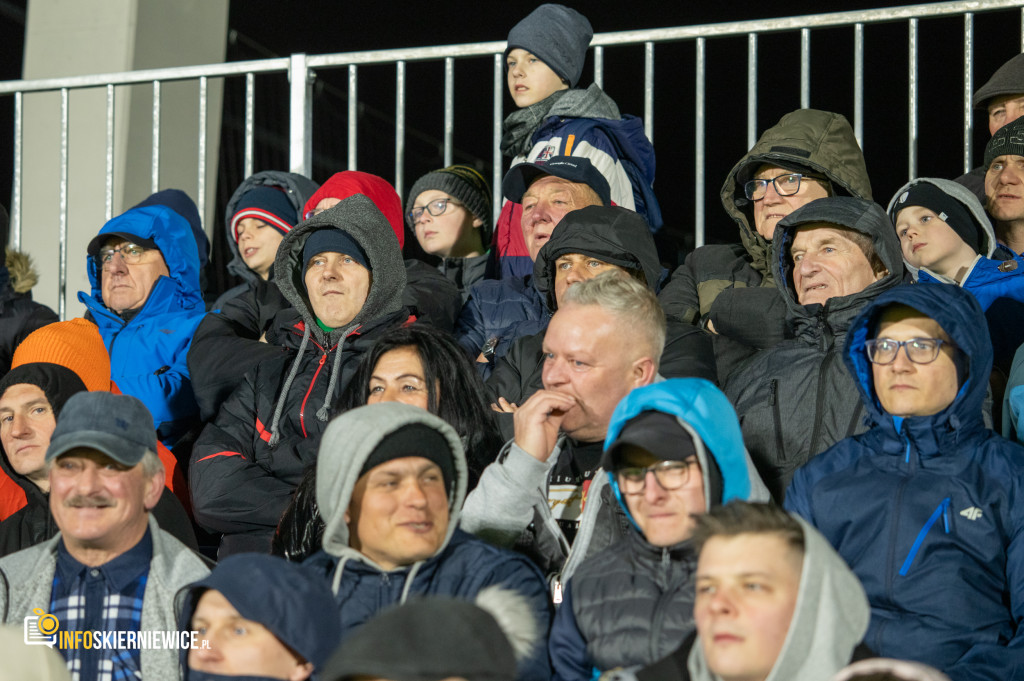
[263, 337]
[711, 327]
[503, 406]
[537, 422]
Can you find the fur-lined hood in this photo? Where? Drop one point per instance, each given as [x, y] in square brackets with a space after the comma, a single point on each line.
[23, 275]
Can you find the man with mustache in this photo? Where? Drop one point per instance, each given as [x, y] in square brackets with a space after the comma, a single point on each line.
[111, 568]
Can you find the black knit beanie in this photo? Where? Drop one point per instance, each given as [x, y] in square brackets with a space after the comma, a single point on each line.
[415, 439]
[463, 184]
[1008, 140]
[948, 209]
[558, 36]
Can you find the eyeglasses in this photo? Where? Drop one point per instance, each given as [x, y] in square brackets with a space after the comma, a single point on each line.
[785, 185]
[132, 254]
[919, 350]
[669, 474]
[435, 208]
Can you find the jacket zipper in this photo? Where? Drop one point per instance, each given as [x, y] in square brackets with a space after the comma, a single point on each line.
[941, 510]
[773, 400]
[302, 409]
[659, 610]
[819, 399]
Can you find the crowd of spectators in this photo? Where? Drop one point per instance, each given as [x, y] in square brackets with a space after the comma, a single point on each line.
[537, 451]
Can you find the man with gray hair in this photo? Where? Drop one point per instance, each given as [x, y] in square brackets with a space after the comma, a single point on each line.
[111, 568]
[605, 339]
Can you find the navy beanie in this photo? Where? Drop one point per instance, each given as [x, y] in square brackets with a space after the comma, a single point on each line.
[333, 240]
[558, 36]
[947, 208]
[267, 204]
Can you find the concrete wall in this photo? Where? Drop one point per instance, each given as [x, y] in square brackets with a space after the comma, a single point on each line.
[77, 37]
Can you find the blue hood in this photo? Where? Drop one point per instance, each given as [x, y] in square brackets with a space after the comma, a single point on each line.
[293, 602]
[172, 235]
[702, 409]
[960, 316]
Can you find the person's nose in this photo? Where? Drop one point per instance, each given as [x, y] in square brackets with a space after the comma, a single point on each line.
[902, 363]
[574, 275]
[414, 495]
[1008, 175]
[771, 196]
[20, 427]
[553, 374]
[116, 264]
[424, 218]
[653, 491]
[721, 602]
[516, 70]
[808, 265]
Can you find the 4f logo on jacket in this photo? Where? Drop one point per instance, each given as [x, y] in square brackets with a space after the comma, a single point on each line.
[972, 513]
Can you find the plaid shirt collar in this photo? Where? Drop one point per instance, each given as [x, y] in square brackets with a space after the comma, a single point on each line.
[118, 573]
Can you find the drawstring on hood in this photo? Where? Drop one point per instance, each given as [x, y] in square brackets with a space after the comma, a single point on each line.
[363, 222]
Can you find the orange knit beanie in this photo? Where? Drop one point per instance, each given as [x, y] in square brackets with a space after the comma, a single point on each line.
[75, 344]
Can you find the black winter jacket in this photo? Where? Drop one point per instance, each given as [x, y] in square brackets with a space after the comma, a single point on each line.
[19, 315]
[247, 463]
[797, 399]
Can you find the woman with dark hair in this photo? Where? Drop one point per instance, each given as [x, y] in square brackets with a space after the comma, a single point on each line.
[419, 365]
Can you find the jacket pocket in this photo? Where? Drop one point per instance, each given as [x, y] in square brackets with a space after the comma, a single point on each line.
[773, 400]
[941, 511]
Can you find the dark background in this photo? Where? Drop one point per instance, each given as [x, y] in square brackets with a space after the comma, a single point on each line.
[266, 28]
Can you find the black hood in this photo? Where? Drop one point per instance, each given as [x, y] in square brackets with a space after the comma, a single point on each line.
[615, 235]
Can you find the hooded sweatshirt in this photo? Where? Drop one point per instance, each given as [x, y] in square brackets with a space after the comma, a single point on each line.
[246, 463]
[616, 236]
[462, 564]
[924, 505]
[997, 284]
[148, 353]
[579, 122]
[796, 399]
[632, 603]
[819, 141]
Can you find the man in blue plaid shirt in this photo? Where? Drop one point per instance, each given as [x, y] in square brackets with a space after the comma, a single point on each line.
[111, 569]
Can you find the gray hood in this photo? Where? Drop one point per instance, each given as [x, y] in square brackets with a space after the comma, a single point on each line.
[360, 218]
[830, 618]
[345, 446]
[966, 197]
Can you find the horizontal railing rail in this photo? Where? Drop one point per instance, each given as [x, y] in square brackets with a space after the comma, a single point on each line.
[301, 70]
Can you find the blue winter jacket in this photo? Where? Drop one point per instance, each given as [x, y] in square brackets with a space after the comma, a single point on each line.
[148, 353]
[504, 309]
[927, 509]
[632, 603]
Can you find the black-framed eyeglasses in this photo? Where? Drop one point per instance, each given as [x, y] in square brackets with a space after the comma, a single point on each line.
[669, 474]
[132, 254]
[785, 185]
[919, 350]
[435, 208]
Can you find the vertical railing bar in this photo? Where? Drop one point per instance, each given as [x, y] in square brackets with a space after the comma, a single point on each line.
[1022, 30]
[154, 183]
[19, 102]
[858, 83]
[968, 88]
[400, 127]
[250, 126]
[751, 90]
[496, 117]
[698, 139]
[449, 109]
[805, 68]
[63, 235]
[649, 90]
[599, 66]
[109, 204]
[201, 168]
[300, 112]
[353, 111]
[912, 103]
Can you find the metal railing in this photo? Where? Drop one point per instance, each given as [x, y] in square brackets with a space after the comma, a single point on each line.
[301, 70]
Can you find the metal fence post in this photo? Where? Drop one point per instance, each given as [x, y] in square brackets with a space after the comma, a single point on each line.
[300, 128]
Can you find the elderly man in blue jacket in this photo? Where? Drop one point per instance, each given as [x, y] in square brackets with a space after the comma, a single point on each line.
[926, 505]
[144, 270]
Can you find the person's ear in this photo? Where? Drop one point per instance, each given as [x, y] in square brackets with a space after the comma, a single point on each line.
[643, 372]
[154, 488]
[477, 222]
[301, 672]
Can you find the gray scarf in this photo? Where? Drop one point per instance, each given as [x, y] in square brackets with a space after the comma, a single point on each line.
[522, 124]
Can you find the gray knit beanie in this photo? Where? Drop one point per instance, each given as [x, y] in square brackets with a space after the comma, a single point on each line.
[1007, 80]
[558, 36]
[1008, 140]
[463, 184]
